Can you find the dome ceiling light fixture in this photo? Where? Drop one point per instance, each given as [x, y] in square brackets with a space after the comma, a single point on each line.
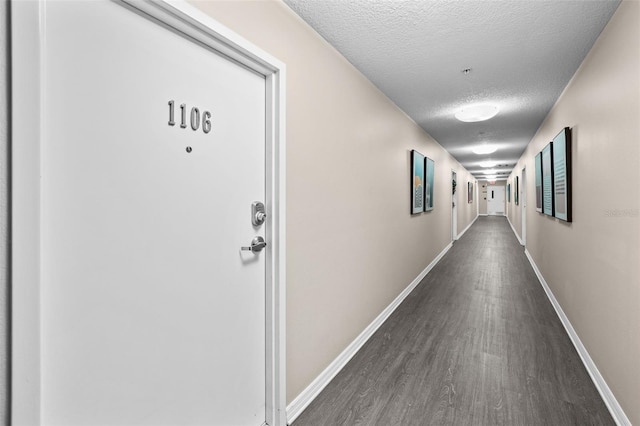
[484, 149]
[474, 113]
[487, 164]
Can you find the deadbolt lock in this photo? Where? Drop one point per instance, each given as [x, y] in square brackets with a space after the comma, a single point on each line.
[258, 214]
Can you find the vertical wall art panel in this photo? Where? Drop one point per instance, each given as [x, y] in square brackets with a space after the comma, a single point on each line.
[470, 192]
[516, 189]
[508, 193]
[429, 167]
[562, 175]
[547, 180]
[417, 182]
[538, 161]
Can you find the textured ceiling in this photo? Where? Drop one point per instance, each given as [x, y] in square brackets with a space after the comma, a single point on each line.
[521, 54]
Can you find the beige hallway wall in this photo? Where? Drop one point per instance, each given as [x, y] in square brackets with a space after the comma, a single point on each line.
[592, 265]
[467, 212]
[352, 244]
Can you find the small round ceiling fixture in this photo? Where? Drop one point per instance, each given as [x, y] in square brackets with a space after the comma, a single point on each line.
[488, 164]
[484, 149]
[472, 114]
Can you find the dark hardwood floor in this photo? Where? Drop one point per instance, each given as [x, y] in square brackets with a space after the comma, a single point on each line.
[476, 343]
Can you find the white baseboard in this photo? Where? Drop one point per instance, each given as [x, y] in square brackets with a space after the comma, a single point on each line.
[305, 398]
[609, 399]
[483, 214]
[515, 233]
[467, 228]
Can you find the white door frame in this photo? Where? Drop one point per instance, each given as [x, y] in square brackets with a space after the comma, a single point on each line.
[523, 202]
[454, 207]
[477, 198]
[27, 119]
[501, 189]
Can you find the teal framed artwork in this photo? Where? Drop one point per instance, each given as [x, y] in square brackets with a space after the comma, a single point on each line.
[538, 168]
[417, 182]
[429, 166]
[547, 180]
[561, 156]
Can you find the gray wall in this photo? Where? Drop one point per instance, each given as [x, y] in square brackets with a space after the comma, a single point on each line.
[4, 212]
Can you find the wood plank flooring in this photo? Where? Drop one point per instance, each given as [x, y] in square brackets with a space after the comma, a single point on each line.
[476, 343]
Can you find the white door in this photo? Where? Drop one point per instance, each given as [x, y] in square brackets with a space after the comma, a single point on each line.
[454, 207]
[153, 150]
[523, 200]
[495, 200]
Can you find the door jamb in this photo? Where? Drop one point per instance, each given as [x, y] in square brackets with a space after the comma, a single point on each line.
[523, 202]
[27, 138]
[454, 208]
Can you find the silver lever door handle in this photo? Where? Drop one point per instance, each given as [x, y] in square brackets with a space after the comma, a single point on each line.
[257, 244]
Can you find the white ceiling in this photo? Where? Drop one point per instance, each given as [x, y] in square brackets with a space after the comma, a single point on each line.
[521, 54]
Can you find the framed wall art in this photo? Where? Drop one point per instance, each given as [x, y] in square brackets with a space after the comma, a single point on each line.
[417, 182]
[508, 193]
[429, 167]
[561, 157]
[538, 161]
[470, 192]
[516, 190]
[547, 180]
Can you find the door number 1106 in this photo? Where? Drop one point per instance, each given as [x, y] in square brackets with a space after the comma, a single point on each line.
[195, 118]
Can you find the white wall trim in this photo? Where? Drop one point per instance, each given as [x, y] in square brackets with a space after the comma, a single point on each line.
[26, 131]
[514, 232]
[483, 214]
[467, 228]
[305, 398]
[609, 399]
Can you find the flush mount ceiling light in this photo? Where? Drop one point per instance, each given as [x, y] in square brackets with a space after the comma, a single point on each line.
[490, 172]
[488, 164]
[484, 149]
[474, 113]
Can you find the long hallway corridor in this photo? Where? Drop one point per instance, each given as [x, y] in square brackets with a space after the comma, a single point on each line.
[476, 343]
